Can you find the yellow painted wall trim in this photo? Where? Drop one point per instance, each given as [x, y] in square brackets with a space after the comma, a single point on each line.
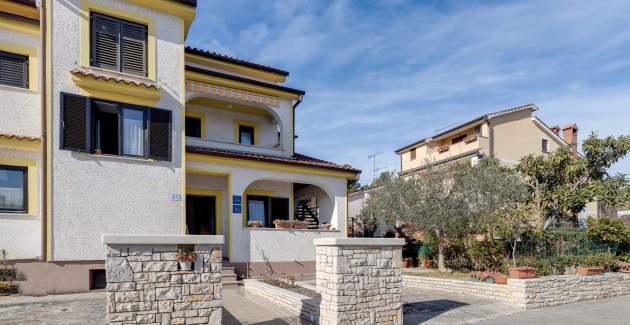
[17, 144]
[196, 76]
[19, 9]
[88, 6]
[33, 63]
[32, 176]
[200, 116]
[267, 165]
[238, 123]
[234, 67]
[187, 13]
[48, 154]
[116, 91]
[19, 26]
[218, 220]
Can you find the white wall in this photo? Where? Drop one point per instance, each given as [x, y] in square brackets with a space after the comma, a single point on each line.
[273, 245]
[94, 195]
[20, 234]
[20, 108]
[241, 242]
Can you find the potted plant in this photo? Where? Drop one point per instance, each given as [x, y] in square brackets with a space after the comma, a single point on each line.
[624, 267]
[325, 226]
[522, 272]
[282, 224]
[407, 262]
[185, 259]
[424, 257]
[590, 270]
[254, 224]
[300, 224]
[479, 237]
[500, 278]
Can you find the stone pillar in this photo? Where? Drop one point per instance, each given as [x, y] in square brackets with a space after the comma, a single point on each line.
[359, 280]
[146, 285]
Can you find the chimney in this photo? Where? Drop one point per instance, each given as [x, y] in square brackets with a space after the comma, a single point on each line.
[556, 129]
[570, 134]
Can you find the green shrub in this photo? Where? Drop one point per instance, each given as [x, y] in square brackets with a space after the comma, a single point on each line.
[608, 230]
[625, 257]
[607, 260]
[559, 265]
[487, 255]
[6, 272]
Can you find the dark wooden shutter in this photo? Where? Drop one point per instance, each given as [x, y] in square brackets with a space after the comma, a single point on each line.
[134, 48]
[105, 42]
[13, 70]
[159, 134]
[75, 114]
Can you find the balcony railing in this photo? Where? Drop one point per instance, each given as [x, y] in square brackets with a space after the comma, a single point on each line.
[206, 143]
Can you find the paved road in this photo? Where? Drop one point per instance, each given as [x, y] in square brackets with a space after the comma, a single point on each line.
[421, 307]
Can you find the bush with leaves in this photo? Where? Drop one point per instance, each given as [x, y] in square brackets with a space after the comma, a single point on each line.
[608, 230]
[487, 255]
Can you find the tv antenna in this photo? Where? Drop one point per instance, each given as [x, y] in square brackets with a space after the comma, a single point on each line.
[375, 169]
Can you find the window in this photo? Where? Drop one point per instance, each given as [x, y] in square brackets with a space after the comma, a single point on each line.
[103, 127]
[118, 45]
[458, 139]
[413, 154]
[13, 189]
[193, 127]
[477, 130]
[545, 145]
[266, 209]
[246, 134]
[13, 70]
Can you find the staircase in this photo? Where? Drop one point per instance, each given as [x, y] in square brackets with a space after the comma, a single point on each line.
[307, 210]
[229, 275]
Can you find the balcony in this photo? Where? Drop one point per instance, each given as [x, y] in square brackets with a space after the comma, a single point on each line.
[215, 144]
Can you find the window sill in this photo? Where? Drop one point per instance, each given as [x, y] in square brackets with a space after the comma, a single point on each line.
[115, 157]
[17, 215]
[19, 89]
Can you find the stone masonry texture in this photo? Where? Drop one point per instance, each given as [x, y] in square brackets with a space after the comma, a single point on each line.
[146, 286]
[359, 284]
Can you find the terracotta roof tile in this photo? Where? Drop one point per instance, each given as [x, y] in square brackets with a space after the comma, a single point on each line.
[115, 76]
[18, 137]
[296, 160]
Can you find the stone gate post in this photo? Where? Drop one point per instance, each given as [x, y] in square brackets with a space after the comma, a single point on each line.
[146, 284]
[359, 280]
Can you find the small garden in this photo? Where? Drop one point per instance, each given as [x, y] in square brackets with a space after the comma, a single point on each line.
[490, 220]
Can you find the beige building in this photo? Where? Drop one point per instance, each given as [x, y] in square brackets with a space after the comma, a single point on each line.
[507, 135]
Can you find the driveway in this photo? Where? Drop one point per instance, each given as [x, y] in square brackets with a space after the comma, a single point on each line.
[421, 307]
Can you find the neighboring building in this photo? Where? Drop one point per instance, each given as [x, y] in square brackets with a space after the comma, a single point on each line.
[111, 125]
[506, 135]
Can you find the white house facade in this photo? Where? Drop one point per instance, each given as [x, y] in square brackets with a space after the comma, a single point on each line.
[122, 129]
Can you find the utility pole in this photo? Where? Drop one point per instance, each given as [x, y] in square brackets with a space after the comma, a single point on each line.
[374, 168]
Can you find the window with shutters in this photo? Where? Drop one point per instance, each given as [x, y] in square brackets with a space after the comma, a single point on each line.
[109, 128]
[118, 45]
[13, 70]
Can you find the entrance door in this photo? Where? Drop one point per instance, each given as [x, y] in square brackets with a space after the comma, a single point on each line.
[201, 215]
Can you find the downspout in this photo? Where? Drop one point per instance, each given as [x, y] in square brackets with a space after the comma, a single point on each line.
[490, 137]
[44, 129]
[294, 136]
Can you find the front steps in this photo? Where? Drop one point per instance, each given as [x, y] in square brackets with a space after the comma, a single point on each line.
[229, 276]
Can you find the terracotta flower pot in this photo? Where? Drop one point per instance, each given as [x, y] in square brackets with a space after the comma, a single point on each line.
[500, 278]
[480, 237]
[427, 263]
[407, 262]
[590, 270]
[254, 225]
[624, 267]
[300, 226]
[522, 272]
[283, 225]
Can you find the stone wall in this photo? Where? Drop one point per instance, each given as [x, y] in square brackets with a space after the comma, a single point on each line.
[359, 280]
[302, 306]
[567, 289]
[533, 293]
[146, 286]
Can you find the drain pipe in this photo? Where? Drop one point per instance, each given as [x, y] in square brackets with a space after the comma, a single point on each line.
[294, 136]
[44, 128]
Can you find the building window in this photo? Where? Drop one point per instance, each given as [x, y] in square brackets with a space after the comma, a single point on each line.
[458, 139]
[477, 130]
[246, 134]
[266, 210]
[413, 154]
[193, 127]
[13, 189]
[104, 127]
[118, 45]
[13, 70]
[545, 145]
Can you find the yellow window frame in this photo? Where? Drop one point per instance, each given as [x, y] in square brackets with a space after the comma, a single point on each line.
[200, 116]
[31, 52]
[237, 125]
[217, 206]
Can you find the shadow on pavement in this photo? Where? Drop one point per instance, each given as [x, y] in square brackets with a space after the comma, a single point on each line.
[425, 310]
[229, 319]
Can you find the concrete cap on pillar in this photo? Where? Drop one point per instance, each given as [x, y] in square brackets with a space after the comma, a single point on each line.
[359, 241]
[162, 239]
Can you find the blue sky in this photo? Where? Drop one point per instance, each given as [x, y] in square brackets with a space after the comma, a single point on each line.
[381, 74]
